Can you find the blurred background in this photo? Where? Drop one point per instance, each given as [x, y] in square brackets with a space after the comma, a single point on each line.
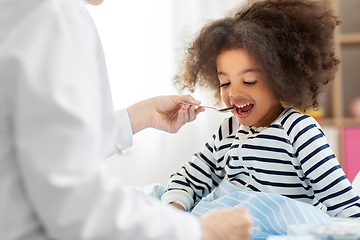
[143, 43]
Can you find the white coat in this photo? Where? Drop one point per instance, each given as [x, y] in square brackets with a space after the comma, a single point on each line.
[57, 125]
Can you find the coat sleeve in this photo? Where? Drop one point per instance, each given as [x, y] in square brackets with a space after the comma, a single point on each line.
[124, 134]
[64, 127]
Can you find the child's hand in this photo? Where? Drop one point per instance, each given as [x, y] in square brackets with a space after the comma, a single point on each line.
[178, 206]
[163, 113]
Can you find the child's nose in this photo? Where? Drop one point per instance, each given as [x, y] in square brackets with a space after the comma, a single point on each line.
[236, 91]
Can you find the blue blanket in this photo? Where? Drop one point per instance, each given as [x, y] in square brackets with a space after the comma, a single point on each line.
[271, 213]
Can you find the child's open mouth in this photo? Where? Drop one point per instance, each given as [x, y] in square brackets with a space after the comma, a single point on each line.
[245, 108]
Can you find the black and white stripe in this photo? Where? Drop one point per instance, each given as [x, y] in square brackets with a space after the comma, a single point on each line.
[291, 157]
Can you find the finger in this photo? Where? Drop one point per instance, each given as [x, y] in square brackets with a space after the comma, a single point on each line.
[244, 233]
[186, 113]
[199, 110]
[244, 223]
[182, 116]
[179, 121]
[192, 113]
[189, 99]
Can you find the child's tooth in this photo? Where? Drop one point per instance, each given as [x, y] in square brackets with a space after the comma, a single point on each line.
[244, 105]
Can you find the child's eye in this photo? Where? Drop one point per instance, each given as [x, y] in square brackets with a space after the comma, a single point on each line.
[224, 84]
[250, 82]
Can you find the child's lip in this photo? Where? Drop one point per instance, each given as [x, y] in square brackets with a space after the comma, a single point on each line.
[243, 108]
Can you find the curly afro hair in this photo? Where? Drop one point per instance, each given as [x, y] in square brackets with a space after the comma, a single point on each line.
[292, 41]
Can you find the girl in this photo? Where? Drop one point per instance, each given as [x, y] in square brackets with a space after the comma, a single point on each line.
[268, 59]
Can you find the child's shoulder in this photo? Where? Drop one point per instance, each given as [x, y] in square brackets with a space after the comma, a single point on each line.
[228, 127]
[292, 122]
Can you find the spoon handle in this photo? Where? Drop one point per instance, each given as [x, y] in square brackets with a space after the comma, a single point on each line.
[219, 110]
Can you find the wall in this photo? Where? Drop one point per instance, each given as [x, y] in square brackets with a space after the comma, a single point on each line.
[143, 41]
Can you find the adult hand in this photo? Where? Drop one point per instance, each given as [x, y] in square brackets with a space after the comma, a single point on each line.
[227, 223]
[163, 113]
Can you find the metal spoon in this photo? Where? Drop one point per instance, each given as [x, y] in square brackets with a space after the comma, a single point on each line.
[223, 110]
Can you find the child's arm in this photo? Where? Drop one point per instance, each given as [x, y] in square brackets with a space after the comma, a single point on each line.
[320, 166]
[199, 177]
[195, 180]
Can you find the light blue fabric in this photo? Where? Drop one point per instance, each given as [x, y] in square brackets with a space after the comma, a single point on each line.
[271, 213]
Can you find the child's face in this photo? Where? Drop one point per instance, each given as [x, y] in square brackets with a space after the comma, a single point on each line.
[242, 84]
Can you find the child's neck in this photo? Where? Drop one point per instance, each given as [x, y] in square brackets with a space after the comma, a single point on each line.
[271, 117]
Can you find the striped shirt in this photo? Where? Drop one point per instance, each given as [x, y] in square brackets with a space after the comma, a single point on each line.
[291, 157]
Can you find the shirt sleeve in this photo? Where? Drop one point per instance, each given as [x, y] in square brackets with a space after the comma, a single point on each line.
[202, 174]
[328, 180]
[64, 124]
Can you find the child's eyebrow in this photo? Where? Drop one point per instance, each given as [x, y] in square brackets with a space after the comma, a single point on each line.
[240, 73]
